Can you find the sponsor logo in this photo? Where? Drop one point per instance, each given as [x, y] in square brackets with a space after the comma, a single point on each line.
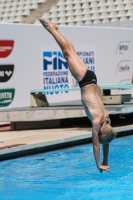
[6, 72]
[123, 68]
[124, 72]
[123, 47]
[6, 47]
[6, 97]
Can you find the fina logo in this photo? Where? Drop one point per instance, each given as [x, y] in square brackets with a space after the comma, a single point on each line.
[55, 72]
[55, 60]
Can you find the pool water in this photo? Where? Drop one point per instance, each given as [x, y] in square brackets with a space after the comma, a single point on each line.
[69, 174]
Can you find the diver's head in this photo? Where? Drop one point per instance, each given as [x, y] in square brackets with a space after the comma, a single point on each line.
[106, 134]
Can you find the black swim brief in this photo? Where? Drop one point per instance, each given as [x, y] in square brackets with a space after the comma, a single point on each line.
[88, 78]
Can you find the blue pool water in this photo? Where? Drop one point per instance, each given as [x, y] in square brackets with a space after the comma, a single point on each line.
[69, 174]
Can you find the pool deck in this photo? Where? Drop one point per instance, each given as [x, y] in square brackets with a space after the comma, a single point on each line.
[15, 144]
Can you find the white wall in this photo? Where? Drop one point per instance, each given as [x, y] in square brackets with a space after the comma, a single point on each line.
[30, 41]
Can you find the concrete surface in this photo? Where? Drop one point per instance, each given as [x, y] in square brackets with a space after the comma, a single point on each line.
[72, 110]
[38, 141]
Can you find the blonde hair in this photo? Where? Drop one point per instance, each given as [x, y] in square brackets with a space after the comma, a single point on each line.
[107, 134]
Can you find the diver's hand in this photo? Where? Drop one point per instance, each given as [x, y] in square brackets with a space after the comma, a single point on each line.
[104, 168]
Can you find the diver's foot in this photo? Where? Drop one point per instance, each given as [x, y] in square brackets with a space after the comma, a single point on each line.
[48, 25]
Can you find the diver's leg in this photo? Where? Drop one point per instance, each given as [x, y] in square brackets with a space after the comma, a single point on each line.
[76, 65]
